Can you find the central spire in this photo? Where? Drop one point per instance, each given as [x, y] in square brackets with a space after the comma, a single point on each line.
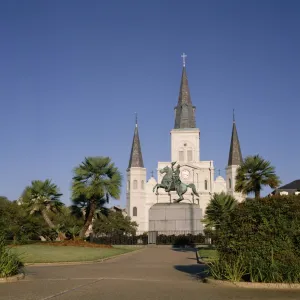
[185, 111]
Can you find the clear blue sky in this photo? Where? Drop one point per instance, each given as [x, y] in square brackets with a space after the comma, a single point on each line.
[72, 74]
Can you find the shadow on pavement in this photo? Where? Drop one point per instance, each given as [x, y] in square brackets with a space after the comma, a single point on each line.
[182, 249]
[195, 271]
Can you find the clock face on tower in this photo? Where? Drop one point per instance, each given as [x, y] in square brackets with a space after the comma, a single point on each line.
[185, 174]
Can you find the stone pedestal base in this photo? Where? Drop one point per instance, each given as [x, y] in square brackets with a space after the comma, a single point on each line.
[175, 217]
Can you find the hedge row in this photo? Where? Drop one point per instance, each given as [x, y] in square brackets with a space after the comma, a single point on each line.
[260, 241]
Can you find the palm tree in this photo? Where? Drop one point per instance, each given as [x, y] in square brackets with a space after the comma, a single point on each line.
[42, 197]
[218, 209]
[253, 174]
[96, 180]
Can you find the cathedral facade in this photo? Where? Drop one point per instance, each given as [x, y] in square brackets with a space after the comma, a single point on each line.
[185, 151]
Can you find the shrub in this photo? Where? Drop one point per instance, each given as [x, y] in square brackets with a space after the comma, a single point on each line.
[232, 269]
[263, 235]
[10, 262]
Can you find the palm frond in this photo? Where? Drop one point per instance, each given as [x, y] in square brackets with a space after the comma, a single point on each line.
[254, 173]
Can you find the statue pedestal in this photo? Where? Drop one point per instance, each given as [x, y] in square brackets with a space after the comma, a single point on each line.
[169, 218]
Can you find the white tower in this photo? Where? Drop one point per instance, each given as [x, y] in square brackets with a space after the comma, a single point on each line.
[185, 142]
[234, 161]
[136, 182]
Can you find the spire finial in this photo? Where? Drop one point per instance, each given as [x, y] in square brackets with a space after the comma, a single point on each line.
[152, 174]
[136, 119]
[183, 58]
[233, 116]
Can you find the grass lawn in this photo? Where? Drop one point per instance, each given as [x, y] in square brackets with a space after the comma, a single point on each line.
[207, 254]
[48, 254]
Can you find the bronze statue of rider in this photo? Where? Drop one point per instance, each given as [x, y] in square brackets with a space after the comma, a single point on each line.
[175, 177]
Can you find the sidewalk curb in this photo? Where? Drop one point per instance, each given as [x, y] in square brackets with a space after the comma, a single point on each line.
[75, 263]
[12, 278]
[253, 285]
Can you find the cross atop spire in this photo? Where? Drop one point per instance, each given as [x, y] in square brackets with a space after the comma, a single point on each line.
[183, 58]
[136, 119]
[233, 116]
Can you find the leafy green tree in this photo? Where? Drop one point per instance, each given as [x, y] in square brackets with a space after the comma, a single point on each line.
[219, 209]
[42, 197]
[3, 211]
[253, 174]
[96, 180]
[114, 223]
[17, 224]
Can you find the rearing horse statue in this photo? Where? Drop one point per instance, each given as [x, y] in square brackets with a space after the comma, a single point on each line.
[169, 183]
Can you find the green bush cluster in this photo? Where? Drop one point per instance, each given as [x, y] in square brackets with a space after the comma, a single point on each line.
[10, 263]
[260, 241]
[181, 240]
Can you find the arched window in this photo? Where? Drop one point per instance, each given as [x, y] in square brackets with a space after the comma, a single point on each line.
[134, 211]
[229, 183]
[142, 184]
[205, 184]
[135, 184]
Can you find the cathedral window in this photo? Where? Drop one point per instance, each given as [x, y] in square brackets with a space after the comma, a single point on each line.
[142, 184]
[205, 184]
[190, 155]
[135, 184]
[229, 183]
[134, 212]
[181, 155]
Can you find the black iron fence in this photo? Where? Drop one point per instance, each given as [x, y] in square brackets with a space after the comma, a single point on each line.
[120, 239]
[175, 238]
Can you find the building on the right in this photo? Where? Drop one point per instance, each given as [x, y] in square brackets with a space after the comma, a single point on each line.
[292, 188]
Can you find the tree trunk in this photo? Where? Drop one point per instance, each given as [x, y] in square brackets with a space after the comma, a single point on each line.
[61, 235]
[88, 220]
[257, 194]
[47, 219]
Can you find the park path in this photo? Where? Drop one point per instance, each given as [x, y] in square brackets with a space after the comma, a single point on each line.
[152, 273]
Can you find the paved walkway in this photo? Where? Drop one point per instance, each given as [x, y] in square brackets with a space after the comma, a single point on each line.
[153, 273]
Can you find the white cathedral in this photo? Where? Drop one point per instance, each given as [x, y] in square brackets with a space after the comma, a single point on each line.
[185, 150]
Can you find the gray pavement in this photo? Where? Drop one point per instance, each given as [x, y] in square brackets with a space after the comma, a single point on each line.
[153, 273]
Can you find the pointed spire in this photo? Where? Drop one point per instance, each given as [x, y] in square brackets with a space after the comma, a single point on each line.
[235, 153]
[185, 111]
[136, 158]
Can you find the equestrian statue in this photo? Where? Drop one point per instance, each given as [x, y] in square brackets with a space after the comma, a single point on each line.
[171, 182]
